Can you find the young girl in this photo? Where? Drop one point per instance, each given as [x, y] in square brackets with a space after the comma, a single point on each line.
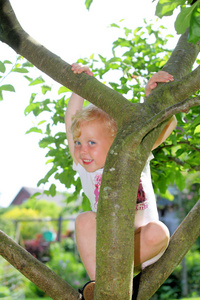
[90, 133]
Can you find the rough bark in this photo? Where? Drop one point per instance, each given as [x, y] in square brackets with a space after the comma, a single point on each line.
[116, 210]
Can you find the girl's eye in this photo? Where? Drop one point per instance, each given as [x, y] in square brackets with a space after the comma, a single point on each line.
[91, 143]
[77, 143]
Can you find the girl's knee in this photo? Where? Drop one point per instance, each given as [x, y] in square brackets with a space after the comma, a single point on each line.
[157, 234]
[85, 220]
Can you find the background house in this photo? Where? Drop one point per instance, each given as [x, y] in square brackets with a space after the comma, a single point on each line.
[26, 192]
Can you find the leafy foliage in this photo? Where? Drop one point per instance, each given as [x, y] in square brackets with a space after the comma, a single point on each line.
[138, 58]
[136, 55]
[67, 265]
[172, 288]
[31, 209]
[189, 16]
[3, 74]
[11, 282]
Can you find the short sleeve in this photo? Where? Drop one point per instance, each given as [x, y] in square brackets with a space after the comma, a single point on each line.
[74, 166]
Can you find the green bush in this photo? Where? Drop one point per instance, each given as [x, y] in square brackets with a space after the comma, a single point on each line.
[67, 265]
[11, 282]
[4, 292]
[172, 288]
[31, 291]
[193, 268]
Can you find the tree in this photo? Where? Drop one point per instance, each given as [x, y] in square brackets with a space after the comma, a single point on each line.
[139, 126]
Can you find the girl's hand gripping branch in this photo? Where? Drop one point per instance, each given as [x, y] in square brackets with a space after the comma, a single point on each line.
[161, 76]
[78, 69]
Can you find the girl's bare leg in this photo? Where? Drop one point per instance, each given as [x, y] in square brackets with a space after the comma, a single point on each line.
[85, 230]
[150, 240]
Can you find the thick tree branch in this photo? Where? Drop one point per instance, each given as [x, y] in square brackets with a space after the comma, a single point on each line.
[112, 102]
[176, 93]
[186, 84]
[54, 286]
[88, 87]
[182, 58]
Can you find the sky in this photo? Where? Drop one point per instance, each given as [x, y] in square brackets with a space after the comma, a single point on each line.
[71, 32]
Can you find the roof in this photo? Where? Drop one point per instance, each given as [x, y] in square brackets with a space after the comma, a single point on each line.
[26, 192]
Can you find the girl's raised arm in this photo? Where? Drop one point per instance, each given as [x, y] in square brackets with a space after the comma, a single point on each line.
[170, 126]
[75, 103]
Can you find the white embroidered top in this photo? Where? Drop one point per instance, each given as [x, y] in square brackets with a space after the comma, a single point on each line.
[146, 209]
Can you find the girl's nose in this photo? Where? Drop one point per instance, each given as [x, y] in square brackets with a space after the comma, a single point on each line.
[83, 149]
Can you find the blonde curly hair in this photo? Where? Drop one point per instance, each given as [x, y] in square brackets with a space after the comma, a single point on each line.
[91, 113]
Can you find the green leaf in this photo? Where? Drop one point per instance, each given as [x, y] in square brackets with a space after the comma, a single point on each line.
[1, 96]
[34, 129]
[114, 25]
[88, 3]
[63, 89]
[197, 129]
[28, 78]
[31, 107]
[20, 70]
[46, 178]
[33, 95]
[48, 129]
[195, 122]
[2, 67]
[7, 62]
[7, 87]
[37, 81]
[166, 7]
[137, 30]
[183, 19]
[194, 34]
[45, 89]
[45, 142]
[52, 190]
[180, 180]
[85, 203]
[64, 178]
[27, 64]
[42, 122]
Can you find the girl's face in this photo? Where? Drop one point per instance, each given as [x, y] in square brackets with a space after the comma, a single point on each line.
[91, 148]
